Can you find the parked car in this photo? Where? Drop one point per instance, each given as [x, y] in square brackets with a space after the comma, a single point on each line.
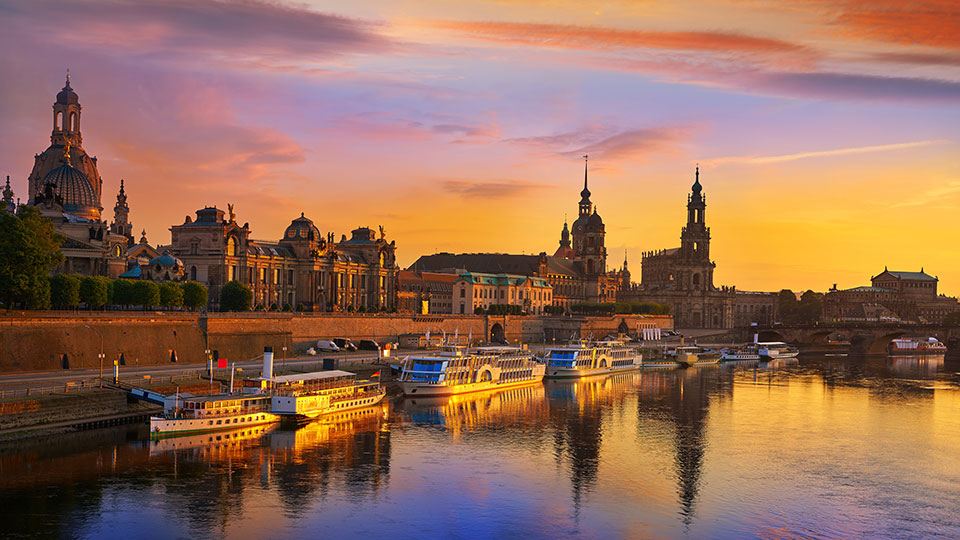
[344, 344]
[327, 346]
[368, 345]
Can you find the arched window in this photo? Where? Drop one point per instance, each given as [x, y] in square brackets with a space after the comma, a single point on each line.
[58, 121]
[73, 121]
[696, 281]
[193, 273]
[231, 246]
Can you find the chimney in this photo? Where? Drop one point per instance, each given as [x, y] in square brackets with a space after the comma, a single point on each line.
[268, 362]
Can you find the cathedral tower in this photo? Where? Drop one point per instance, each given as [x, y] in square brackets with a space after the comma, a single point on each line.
[695, 242]
[121, 217]
[588, 234]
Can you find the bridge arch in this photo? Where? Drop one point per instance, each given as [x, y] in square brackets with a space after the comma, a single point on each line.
[769, 335]
[877, 344]
[623, 328]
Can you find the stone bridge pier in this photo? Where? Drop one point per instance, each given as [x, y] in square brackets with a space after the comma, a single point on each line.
[866, 338]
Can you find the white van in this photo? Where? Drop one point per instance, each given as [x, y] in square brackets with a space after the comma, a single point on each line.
[327, 346]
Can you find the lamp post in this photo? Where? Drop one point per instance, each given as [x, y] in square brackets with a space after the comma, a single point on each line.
[100, 356]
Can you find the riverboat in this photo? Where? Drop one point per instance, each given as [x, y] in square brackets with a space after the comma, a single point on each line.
[194, 414]
[745, 352]
[912, 346]
[459, 370]
[591, 358]
[771, 350]
[309, 395]
[692, 355]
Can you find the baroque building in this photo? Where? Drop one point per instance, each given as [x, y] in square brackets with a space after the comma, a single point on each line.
[576, 272]
[683, 279]
[305, 269]
[908, 296]
[66, 187]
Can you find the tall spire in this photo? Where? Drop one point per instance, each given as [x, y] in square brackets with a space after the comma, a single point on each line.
[585, 194]
[696, 184]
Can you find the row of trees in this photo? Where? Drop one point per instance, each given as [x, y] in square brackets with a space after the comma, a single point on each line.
[807, 310]
[621, 308]
[95, 292]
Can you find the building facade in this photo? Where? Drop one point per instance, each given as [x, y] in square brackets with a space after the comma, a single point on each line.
[425, 292]
[892, 295]
[683, 279]
[474, 290]
[304, 269]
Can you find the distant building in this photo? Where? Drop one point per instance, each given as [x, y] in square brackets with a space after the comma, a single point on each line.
[425, 292]
[577, 272]
[474, 290]
[683, 279]
[910, 296]
[66, 187]
[304, 269]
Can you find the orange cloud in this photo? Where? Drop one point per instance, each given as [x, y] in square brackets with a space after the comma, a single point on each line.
[934, 23]
[590, 38]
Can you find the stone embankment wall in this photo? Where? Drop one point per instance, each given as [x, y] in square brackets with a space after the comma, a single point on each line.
[31, 341]
[74, 407]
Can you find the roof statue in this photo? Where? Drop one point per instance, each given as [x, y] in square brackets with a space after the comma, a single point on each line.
[383, 234]
[232, 216]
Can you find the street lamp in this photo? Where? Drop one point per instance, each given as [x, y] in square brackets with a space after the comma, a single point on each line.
[101, 347]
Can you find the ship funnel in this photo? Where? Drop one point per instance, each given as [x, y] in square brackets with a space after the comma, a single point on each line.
[268, 362]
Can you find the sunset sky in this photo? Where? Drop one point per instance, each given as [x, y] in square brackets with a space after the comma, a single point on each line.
[827, 131]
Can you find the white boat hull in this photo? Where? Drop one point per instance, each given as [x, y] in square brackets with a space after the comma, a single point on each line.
[556, 372]
[165, 427]
[424, 389]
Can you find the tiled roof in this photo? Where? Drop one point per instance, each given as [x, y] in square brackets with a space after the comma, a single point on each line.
[490, 263]
[922, 276]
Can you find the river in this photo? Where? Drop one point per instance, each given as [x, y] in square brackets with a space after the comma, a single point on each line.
[824, 447]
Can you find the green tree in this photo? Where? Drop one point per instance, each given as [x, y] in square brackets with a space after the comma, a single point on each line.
[274, 307]
[809, 307]
[123, 292]
[64, 291]
[94, 292]
[478, 310]
[29, 251]
[146, 294]
[235, 296]
[787, 305]
[194, 295]
[171, 295]
[286, 307]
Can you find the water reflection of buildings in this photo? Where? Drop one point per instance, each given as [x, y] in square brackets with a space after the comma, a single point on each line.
[681, 399]
[576, 415]
[522, 408]
[206, 481]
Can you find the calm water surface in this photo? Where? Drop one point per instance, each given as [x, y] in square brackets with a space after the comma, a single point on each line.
[826, 447]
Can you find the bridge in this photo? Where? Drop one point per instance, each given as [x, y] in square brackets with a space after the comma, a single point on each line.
[871, 338]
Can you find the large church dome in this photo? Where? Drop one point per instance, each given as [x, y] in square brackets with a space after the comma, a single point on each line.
[75, 190]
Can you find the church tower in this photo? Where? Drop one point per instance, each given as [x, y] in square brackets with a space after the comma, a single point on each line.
[695, 243]
[588, 234]
[121, 217]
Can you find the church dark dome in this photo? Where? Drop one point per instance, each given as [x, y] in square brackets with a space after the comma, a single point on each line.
[697, 188]
[67, 95]
[73, 187]
[302, 228]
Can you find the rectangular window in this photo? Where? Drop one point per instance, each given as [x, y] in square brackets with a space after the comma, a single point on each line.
[463, 292]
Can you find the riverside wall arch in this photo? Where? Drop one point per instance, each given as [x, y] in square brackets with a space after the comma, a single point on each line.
[866, 338]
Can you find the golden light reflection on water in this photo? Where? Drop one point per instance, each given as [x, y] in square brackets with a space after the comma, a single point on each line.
[830, 446]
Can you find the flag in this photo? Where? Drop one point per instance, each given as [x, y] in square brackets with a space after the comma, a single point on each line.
[470, 339]
[377, 374]
[221, 363]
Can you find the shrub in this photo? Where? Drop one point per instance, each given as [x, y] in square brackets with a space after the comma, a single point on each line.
[94, 291]
[146, 294]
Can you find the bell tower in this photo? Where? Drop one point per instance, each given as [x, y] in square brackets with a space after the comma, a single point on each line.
[66, 117]
[697, 273]
[121, 217]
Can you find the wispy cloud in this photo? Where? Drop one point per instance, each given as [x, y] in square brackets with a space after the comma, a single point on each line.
[250, 30]
[610, 144]
[496, 189]
[764, 160]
